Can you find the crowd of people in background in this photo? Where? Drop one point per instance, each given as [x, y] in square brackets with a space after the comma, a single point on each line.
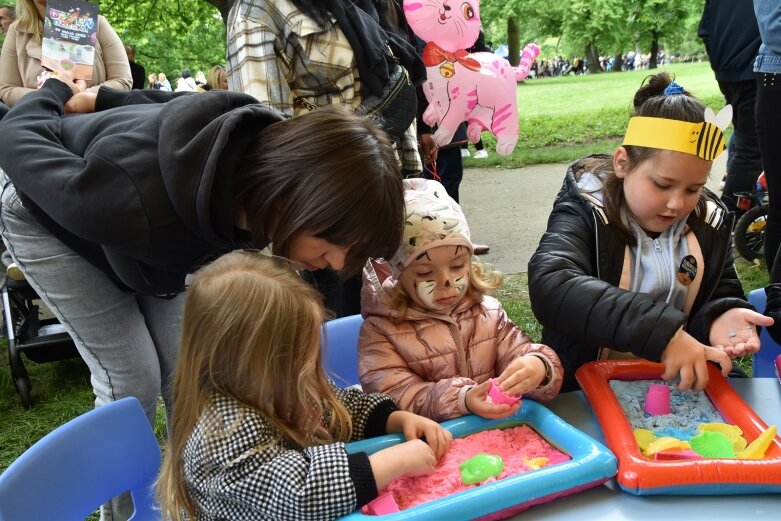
[545, 67]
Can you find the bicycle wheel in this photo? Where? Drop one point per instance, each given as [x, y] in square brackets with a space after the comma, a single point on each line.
[750, 233]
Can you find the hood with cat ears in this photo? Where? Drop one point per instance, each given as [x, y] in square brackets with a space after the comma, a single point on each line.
[432, 218]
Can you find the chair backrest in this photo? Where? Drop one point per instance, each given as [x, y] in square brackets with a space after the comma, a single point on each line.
[340, 350]
[82, 464]
[765, 358]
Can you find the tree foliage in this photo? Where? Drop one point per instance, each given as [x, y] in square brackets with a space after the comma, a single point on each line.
[611, 26]
[170, 35]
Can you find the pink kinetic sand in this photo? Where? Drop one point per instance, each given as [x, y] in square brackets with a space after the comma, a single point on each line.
[513, 445]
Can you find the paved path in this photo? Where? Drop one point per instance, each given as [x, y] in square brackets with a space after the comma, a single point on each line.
[508, 208]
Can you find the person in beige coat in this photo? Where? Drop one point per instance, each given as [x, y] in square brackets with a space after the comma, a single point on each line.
[20, 61]
[432, 339]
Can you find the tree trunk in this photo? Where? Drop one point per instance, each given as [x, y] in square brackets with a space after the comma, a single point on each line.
[513, 42]
[223, 6]
[618, 64]
[654, 49]
[592, 55]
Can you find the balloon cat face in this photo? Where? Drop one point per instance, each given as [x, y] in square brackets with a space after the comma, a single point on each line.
[451, 24]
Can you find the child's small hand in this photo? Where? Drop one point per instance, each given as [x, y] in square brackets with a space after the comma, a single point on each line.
[522, 375]
[475, 402]
[735, 331]
[83, 102]
[686, 357]
[415, 427]
[411, 458]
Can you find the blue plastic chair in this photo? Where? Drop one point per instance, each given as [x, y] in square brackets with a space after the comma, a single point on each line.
[340, 350]
[82, 464]
[764, 359]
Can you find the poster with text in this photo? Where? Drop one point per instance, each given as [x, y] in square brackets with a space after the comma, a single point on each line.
[69, 37]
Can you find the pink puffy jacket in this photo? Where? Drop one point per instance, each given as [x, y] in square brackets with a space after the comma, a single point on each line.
[428, 361]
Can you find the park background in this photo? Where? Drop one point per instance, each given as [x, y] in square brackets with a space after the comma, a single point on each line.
[561, 118]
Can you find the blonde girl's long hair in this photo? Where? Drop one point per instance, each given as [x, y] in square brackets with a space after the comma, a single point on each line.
[30, 20]
[251, 331]
[482, 280]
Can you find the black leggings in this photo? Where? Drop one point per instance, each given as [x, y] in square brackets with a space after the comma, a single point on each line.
[768, 116]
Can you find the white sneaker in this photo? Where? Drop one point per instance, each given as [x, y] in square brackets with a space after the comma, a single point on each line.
[480, 154]
[465, 152]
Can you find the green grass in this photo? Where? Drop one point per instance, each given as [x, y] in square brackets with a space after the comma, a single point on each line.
[561, 119]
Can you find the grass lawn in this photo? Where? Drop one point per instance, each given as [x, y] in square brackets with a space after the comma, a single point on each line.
[561, 118]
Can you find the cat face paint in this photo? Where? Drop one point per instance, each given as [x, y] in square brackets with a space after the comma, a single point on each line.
[438, 279]
[426, 291]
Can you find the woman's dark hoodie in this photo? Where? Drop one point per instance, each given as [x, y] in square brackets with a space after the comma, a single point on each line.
[143, 191]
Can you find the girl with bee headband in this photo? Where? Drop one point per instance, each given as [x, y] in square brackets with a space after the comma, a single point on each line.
[637, 257]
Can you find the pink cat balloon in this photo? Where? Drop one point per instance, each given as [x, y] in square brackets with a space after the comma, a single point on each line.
[478, 88]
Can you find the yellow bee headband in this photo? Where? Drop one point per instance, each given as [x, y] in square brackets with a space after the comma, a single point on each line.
[705, 139]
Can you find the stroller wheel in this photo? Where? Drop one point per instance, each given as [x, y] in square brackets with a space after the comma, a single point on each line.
[750, 233]
[23, 388]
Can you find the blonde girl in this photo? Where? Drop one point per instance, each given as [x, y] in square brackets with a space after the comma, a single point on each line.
[637, 257]
[258, 431]
[432, 339]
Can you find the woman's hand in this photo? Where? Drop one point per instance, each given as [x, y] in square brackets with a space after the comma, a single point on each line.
[415, 427]
[735, 331]
[476, 404]
[411, 458]
[522, 375]
[67, 78]
[686, 357]
[428, 148]
[82, 102]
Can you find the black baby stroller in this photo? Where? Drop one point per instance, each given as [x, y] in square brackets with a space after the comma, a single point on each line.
[40, 339]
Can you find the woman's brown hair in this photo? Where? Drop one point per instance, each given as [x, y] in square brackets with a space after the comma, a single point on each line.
[251, 331]
[330, 173]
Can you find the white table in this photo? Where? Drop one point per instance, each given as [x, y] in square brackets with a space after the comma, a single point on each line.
[609, 502]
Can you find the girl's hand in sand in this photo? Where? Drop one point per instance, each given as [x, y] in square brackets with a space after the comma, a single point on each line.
[415, 427]
[522, 375]
[411, 458]
[476, 403]
[686, 357]
[735, 331]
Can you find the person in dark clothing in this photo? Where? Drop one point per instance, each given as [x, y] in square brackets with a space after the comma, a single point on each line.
[731, 35]
[118, 213]
[636, 260]
[767, 68]
[137, 71]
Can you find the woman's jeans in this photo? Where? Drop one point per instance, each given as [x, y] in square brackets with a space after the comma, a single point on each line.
[130, 342]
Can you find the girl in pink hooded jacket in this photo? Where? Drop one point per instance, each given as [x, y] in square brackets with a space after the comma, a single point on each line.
[432, 339]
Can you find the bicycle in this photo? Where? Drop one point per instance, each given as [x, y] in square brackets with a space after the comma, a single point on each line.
[749, 233]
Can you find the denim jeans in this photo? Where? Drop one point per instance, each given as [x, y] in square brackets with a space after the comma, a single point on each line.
[129, 342]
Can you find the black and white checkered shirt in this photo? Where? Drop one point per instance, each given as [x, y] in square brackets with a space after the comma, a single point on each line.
[237, 466]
